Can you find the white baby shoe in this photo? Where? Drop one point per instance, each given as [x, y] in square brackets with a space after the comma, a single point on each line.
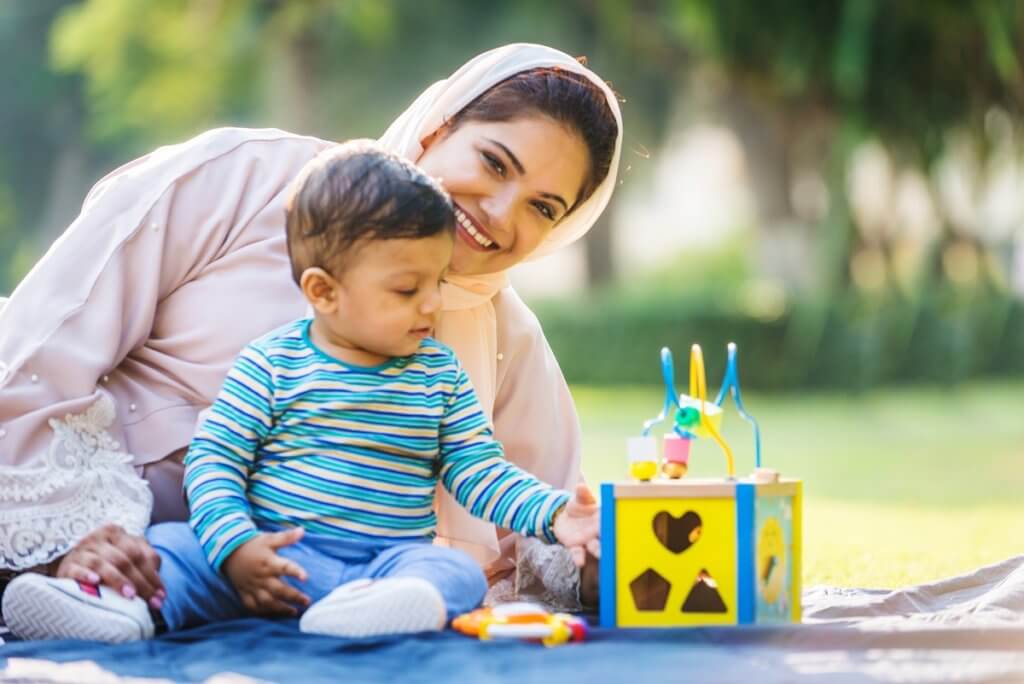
[40, 607]
[363, 608]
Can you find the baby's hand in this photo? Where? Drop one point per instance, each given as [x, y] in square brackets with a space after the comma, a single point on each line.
[578, 526]
[255, 570]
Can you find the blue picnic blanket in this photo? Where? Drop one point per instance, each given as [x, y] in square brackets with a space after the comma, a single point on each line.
[270, 651]
[962, 629]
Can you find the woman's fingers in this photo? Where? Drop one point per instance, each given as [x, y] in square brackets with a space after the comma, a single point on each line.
[590, 581]
[129, 568]
[110, 574]
[578, 556]
[145, 566]
[148, 562]
[109, 555]
[594, 547]
[78, 572]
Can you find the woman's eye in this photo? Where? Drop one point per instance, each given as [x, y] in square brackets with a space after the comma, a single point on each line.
[495, 164]
[545, 210]
[407, 293]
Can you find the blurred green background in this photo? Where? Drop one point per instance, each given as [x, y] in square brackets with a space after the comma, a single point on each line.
[836, 186]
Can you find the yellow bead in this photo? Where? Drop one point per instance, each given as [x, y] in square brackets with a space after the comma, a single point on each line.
[643, 470]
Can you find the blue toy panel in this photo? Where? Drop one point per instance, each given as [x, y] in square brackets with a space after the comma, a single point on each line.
[773, 558]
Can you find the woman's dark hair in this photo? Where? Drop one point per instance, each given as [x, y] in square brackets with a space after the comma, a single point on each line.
[356, 191]
[566, 97]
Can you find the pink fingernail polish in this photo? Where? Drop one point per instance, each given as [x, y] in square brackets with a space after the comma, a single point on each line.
[128, 591]
[93, 578]
[161, 593]
[156, 603]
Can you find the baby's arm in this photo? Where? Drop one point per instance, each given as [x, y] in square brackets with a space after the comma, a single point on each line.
[474, 470]
[222, 454]
[217, 470]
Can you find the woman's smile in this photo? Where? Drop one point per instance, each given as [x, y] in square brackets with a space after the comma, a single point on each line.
[511, 183]
[472, 233]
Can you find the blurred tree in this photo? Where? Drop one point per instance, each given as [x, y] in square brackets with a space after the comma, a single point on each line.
[805, 82]
[40, 138]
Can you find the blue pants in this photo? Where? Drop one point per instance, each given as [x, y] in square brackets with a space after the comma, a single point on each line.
[197, 594]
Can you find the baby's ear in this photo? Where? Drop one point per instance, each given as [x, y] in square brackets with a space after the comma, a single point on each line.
[320, 289]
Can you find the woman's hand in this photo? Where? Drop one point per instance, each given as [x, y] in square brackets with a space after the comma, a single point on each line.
[255, 570]
[578, 526]
[111, 556]
[590, 589]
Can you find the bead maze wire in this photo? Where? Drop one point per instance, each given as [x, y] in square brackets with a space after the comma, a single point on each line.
[699, 390]
[731, 386]
[668, 375]
[688, 420]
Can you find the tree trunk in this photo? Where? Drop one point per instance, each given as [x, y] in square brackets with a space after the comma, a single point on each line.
[291, 98]
[597, 246]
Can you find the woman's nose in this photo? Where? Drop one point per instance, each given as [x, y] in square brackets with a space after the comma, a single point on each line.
[499, 208]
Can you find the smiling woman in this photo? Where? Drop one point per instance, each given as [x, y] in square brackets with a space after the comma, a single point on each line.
[512, 183]
[123, 333]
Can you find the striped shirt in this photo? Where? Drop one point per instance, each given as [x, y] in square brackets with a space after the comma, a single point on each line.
[299, 438]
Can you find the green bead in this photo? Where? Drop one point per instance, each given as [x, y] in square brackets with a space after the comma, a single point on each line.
[687, 417]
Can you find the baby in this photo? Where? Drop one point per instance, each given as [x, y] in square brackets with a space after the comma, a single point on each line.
[311, 483]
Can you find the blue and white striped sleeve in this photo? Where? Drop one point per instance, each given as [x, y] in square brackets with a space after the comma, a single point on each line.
[474, 470]
[222, 453]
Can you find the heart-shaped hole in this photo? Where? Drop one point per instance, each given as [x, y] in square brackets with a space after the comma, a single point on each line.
[677, 534]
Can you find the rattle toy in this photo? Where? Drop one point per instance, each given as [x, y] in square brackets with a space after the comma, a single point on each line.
[522, 620]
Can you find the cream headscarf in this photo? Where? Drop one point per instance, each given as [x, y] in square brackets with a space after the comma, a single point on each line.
[468, 324]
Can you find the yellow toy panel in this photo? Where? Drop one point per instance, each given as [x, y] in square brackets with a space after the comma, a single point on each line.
[777, 530]
[676, 561]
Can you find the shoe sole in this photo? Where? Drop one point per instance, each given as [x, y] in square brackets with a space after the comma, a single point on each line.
[35, 609]
[402, 606]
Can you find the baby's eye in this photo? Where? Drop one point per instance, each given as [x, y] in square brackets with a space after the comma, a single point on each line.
[495, 163]
[407, 293]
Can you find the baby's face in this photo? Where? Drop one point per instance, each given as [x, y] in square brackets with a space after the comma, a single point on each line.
[389, 296]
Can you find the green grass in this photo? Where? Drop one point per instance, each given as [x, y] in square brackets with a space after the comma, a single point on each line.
[901, 486]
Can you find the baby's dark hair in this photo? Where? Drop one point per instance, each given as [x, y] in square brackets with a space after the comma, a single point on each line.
[357, 191]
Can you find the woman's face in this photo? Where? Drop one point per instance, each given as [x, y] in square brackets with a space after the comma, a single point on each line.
[511, 182]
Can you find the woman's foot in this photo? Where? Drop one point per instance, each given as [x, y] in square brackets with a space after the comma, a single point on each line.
[40, 607]
[363, 608]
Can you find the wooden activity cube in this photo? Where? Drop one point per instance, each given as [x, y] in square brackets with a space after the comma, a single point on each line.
[690, 552]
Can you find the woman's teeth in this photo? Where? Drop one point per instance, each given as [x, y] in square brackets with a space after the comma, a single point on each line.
[464, 221]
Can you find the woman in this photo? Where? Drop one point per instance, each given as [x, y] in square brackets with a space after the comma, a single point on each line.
[123, 332]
